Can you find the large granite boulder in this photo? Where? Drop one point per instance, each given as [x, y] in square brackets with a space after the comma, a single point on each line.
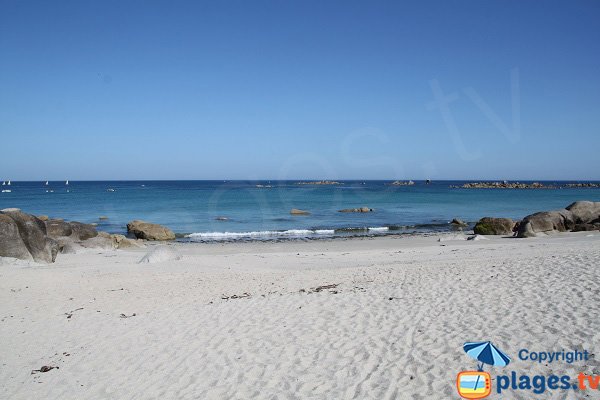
[546, 222]
[494, 226]
[11, 244]
[32, 232]
[584, 212]
[149, 231]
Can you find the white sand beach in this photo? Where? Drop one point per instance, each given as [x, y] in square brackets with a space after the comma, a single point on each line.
[245, 320]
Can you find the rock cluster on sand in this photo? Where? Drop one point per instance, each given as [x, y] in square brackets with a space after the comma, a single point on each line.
[494, 226]
[579, 216]
[356, 210]
[27, 237]
[23, 236]
[149, 231]
[295, 211]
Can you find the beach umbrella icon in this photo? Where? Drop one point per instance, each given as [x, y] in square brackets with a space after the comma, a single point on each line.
[486, 353]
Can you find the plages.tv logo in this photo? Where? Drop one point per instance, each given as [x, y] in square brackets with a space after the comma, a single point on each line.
[478, 384]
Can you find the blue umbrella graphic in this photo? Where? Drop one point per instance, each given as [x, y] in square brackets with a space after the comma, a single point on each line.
[486, 353]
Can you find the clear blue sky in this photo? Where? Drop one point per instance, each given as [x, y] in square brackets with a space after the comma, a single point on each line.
[299, 89]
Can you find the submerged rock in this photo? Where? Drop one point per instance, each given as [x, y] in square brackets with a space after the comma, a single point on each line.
[149, 231]
[295, 211]
[458, 222]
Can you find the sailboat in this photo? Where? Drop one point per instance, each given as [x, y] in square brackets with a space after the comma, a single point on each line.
[3, 183]
[9, 182]
[67, 182]
[46, 183]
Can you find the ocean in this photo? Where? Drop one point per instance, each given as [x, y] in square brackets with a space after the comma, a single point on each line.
[260, 210]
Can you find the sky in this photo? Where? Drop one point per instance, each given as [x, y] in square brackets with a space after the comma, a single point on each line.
[101, 90]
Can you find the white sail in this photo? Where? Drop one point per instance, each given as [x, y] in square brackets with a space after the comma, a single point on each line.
[3, 183]
[46, 183]
[67, 182]
[9, 182]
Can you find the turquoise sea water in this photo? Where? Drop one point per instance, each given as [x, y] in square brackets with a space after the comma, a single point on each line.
[260, 210]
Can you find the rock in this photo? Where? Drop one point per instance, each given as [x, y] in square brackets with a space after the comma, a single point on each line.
[57, 228]
[295, 211]
[586, 227]
[222, 219]
[67, 245]
[99, 242]
[32, 232]
[526, 230]
[121, 242]
[159, 254]
[11, 244]
[584, 212]
[546, 222]
[103, 218]
[149, 231]
[356, 210]
[83, 231]
[458, 222]
[43, 218]
[494, 226]
[402, 183]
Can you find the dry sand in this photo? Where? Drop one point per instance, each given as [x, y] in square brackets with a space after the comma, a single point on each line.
[243, 321]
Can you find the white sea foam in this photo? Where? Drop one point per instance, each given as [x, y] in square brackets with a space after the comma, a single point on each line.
[259, 234]
[379, 229]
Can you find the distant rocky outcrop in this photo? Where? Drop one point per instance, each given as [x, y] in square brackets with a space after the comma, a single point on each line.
[295, 211]
[149, 231]
[23, 236]
[494, 226]
[581, 215]
[583, 185]
[320, 183]
[402, 183]
[503, 185]
[356, 210]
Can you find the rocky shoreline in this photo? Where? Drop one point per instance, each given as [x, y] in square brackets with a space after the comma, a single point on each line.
[40, 239]
[576, 217]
